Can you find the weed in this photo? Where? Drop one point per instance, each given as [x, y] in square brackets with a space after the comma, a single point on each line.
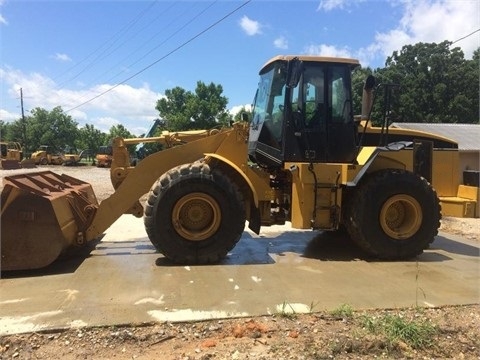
[312, 306]
[344, 311]
[287, 311]
[395, 328]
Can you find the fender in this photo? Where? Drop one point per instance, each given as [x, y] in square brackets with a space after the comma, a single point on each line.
[371, 156]
[258, 184]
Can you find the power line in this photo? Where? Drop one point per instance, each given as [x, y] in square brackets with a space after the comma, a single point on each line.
[466, 36]
[165, 56]
[164, 41]
[102, 49]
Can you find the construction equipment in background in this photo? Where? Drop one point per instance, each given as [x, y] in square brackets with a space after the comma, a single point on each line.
[103, 158]
[303, 159]
[70, 156]
[47, 155]
[140, 149]
[11, 154]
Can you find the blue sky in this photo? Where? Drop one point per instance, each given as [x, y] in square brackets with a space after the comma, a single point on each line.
[68, 53]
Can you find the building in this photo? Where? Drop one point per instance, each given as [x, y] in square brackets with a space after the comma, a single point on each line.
[466, 135]
[468, 138]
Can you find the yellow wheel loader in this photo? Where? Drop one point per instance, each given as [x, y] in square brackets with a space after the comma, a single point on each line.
[303, 158]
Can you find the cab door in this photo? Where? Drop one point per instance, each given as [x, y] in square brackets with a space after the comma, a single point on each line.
[321, 126]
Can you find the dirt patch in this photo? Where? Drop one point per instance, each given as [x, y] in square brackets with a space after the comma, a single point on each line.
[416, 333]
[441, 333]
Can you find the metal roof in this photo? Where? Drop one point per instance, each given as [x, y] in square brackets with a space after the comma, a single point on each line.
[466, 135]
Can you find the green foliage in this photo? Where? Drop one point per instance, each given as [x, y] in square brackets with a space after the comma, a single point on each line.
[437, 85]
[184, 110]
[90, 138]
[344, 311]
[417, 334]
[53, 128]
[118, 131]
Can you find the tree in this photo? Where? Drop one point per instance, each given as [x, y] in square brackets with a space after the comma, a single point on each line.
[184, 110]
[53, 128]
[91, 138]
[437, 83]
[120, 131]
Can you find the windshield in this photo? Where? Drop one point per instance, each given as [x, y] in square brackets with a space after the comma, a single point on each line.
[269, 98]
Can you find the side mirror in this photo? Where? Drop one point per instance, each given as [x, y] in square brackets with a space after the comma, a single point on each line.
[294, 71]
[244, 116]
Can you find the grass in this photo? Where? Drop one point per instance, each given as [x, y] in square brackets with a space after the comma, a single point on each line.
[344, 311]
[287, 311]
[417, 334]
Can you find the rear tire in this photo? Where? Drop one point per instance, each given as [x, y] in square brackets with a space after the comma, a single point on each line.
[394, 214]
[194, 215]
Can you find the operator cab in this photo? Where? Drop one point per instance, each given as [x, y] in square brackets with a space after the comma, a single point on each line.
[303, 112]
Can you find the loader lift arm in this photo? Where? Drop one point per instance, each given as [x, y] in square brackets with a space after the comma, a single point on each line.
[132, 182]
[44, 214]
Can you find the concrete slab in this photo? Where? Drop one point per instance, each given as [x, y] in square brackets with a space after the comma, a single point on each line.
[124, 281]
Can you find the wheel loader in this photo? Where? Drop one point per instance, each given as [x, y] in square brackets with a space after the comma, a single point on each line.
[303, 158]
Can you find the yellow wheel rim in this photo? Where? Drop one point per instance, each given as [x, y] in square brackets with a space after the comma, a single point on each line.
[196, 216]
[401, 217]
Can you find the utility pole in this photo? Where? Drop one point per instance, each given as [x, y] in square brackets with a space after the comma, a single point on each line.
[24, 124]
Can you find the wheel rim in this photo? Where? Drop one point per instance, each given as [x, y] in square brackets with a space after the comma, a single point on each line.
[196, 216]
[401, 216]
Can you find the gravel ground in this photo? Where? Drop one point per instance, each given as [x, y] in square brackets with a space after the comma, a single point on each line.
[436, 333]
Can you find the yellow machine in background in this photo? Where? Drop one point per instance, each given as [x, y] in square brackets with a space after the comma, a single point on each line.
[304, 159]
[45, 155]
[103, 158]
[11, 154]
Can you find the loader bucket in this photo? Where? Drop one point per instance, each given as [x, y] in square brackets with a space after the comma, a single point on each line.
[42, 215]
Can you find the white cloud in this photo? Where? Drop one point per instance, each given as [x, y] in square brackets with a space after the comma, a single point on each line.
[132, 107]
[9, 116]
[251, 27]
[62, 57]
[281, 43]
[236, 109]
[434, 21]
[328, 5]
[427, 21]
[2, 19]
[430, 21]
[328, 50]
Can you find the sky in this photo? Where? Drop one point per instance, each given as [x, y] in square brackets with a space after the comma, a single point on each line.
[108, 62]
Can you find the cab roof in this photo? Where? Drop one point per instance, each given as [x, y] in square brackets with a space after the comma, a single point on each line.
[311, 58]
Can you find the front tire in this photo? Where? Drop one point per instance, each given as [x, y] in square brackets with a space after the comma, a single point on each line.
[194, 215]
[394, 214]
